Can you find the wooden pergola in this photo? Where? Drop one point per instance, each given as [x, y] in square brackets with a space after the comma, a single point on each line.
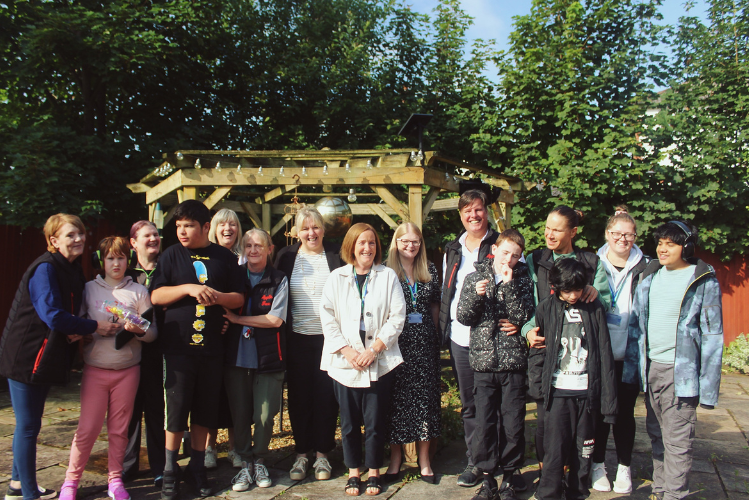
[398, 183]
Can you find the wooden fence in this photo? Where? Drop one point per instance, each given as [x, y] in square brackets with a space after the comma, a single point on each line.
[19, 248]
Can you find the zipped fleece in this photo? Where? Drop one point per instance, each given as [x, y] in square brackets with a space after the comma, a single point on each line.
[490, 349]
[699, 336]
[601, 372]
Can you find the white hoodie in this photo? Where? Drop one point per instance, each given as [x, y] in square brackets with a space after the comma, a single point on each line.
[620, 283]
[130, 295]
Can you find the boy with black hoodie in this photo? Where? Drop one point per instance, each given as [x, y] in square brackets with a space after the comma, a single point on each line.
[578, 380]
[497, 295]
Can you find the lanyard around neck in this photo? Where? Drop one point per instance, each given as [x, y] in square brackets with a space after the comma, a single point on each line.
[414, 290]
[362, 289]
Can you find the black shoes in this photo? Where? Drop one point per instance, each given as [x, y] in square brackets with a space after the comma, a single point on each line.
[198, 480]
[487, 491]
[170, 485]
[517, 482]
[507, 492]
[469, 478]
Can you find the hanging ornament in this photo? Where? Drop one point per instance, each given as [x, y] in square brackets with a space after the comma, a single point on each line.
[352, 195]
[260, 171]
[198, 166]
[218, 166]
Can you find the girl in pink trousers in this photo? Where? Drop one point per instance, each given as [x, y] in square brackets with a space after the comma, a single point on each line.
[110, 375]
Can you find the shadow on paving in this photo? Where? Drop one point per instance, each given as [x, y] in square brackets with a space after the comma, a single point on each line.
[720, 469]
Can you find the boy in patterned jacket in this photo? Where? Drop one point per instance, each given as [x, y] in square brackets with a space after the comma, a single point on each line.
[675, 353]
[498, 295]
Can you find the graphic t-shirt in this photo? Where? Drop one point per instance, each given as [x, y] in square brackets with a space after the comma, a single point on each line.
[571, 373]
[191, 328]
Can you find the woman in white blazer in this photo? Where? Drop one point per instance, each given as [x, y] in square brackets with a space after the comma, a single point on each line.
[362, 312]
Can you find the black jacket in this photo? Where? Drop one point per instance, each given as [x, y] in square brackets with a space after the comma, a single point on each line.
[490, 349]
[602, 380]
[270, 342]
[30, 351]
[285, 263]
[453, 256]
[543, 261]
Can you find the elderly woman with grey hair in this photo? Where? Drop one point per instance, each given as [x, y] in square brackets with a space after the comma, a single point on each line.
[313, 409]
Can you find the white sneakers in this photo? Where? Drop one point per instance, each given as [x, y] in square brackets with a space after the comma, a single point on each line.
[599, 479]
[243, 479]
[622, 484]
[235, 459]
[262, 479]
[299, 469]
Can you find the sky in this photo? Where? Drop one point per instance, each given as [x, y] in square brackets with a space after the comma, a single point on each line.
[493, 18]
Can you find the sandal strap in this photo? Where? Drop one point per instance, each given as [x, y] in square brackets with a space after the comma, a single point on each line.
[374, 482]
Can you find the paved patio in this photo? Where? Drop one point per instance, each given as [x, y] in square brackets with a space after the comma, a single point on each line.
[720, 470]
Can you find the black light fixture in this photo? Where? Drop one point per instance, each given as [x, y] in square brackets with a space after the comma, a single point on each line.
[415, 126]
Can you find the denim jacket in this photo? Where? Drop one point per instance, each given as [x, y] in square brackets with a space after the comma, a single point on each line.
[699, 336]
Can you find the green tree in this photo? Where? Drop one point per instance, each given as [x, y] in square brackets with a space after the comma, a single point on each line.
[575, 87]
[701, 131]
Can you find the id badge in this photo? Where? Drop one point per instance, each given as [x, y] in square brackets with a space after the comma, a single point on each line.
[613, 319]
[414, 318]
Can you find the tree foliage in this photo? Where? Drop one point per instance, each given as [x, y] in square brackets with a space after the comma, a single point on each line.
[702, 129]
[576, 83]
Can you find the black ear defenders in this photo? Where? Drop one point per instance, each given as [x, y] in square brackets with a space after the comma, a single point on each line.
[97, 261]
[690, 244]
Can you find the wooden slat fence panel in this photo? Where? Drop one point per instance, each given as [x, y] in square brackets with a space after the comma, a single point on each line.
[734, 283]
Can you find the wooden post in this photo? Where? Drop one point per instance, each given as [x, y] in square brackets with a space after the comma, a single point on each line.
[266, 217]
[414, 204]
[187, 193]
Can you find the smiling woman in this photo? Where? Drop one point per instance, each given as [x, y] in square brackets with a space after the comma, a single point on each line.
[36, 348]
[225, 230]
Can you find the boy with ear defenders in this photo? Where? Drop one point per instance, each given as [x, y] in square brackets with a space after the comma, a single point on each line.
[674, 351]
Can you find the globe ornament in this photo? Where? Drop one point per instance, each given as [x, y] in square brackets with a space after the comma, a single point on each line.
[336, 215]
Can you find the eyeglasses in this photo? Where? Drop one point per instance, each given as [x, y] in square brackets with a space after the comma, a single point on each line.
[409, 242]
[627, 236]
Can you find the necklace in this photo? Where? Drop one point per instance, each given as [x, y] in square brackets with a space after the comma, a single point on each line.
[309, 280]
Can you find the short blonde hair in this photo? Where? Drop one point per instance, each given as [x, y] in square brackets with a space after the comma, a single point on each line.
[222, 216]
[264, 236]
[421, 266]
[305, 213]
[55, 223]
[349, 243]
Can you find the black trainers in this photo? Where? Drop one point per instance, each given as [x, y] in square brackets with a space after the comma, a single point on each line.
[170, 485]
[17, 494]
[507, 492]
[487, 491]
[517, 482]
[198, 480]
[469, 478]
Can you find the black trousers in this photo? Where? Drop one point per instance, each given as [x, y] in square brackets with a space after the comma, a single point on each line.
[369, 406]
[313, 410]
[569, 438]
[500, 403]
[464, 375]
[149, 402]
[624, 429]
[540, 418]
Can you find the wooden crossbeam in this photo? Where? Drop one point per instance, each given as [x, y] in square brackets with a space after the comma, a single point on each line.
[377, 209]
[275, 193]
[251, 213]
[391, 201]
[429, 201]
[286, 218]
[216, 196]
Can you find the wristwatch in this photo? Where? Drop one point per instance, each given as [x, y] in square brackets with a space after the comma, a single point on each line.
[373, 351]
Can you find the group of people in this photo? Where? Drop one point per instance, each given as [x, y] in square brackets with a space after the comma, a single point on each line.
[357, 334]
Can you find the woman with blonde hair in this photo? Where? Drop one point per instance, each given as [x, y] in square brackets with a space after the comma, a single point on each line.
[362, 313]
[313, 410]
[415, 411]
[225, 231]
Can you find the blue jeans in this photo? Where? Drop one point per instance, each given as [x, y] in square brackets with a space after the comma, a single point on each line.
[28, 406]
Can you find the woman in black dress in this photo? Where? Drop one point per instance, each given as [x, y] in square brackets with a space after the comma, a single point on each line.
[415, 414]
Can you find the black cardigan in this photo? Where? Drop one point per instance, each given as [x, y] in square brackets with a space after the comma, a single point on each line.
[285, 263]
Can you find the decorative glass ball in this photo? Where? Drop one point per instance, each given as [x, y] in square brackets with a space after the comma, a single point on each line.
[336, 214]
